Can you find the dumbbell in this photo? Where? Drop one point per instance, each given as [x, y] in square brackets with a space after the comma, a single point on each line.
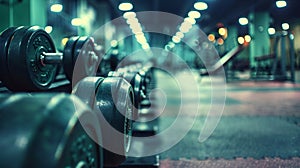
[59, 130]
[29, 59]
[143, 71]
[147, 81]
[135, 81]
[112, 100]
[82, 53]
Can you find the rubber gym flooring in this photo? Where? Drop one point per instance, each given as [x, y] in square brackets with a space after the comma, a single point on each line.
[259, 126]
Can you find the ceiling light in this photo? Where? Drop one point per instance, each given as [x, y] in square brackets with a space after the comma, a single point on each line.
[222, 31]
[175, 39]
[211, 37]
[248, 38]
[241, 40]
[128, 15]
[271, 31]
[145, 46]
[281, 4]
[131, 21]
[190, 20]
[194, 14]
[186, 25]
[125, 6]
[243, 21]
[64, 41]
[179, 35]
[285, 26]
[136, 28]
[48, 29]
[184, 28]
[114, 43]
[141, 38]
[77, 22]
[56, 8]
[220, 41]
[200, 6]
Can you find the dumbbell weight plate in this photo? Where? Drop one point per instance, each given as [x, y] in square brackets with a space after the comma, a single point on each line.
[5, 39]
[144, 80]
[111, 99]
[24, 64]
[68, 57]
[80, 58]
[115, 99]
[49, 133]
[143, 75]
[135, 81]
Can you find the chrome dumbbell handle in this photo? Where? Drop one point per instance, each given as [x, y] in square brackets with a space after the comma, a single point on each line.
[51, 58]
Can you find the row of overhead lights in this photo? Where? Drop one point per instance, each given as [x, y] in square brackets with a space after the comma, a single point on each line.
[244, 21]
[244, 40]
[134, 24]
[184, 28]
[193, 15]
[223, 33]
[220, 41]
[247, 38]
[57, 8]
[187, 23]
[285, 26]
[54, 8]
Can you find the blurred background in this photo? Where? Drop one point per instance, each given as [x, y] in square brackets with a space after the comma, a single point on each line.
[259, 45]
[227, 24]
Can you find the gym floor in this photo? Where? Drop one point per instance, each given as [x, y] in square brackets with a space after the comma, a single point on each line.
[259, 127]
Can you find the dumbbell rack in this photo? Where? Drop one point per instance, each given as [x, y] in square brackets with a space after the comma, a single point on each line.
[37, 67]
[61, 84]
[144, 130]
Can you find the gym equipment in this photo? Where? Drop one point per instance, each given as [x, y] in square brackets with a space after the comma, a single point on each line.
[223, 61]
[48, 130]
[146, 74]
[29, 59]
[263, 66]
[145, 71]
[279, 68]
[112, 99]
[5, 39]
[80, 50]
[23, 65]
[135, 81]
[140, 127]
